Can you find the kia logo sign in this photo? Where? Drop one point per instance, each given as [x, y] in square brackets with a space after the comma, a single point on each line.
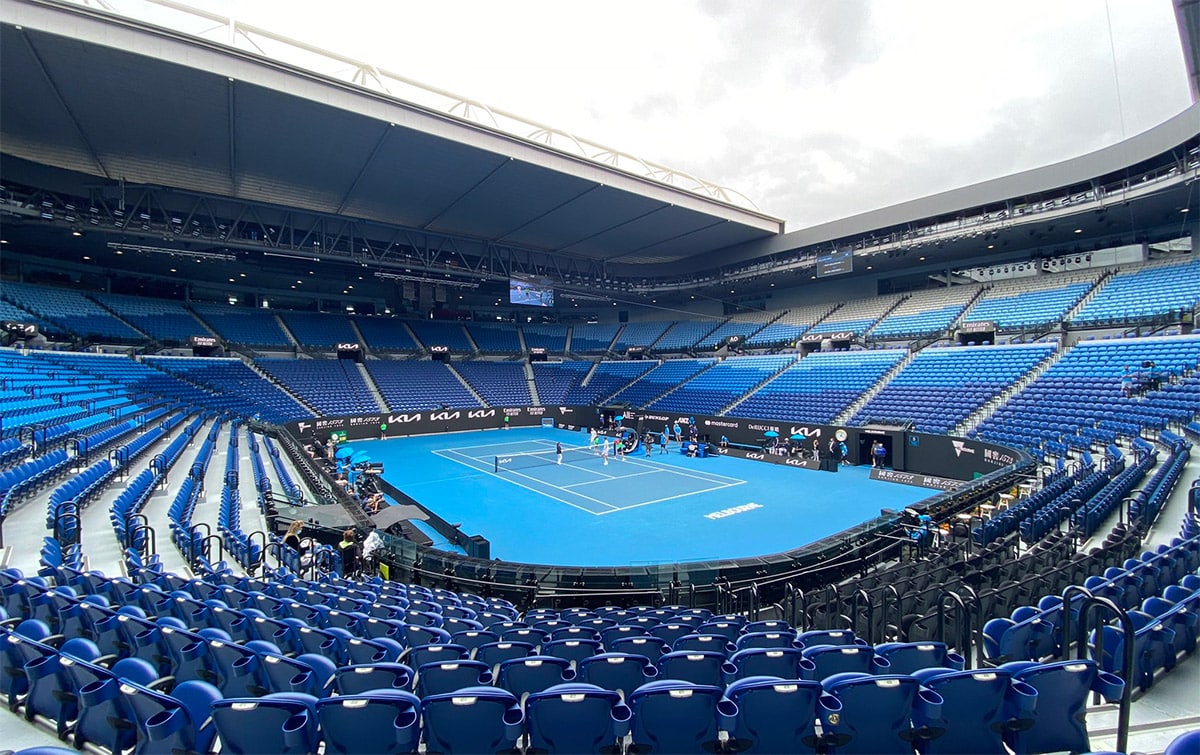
[753, 455]
[395, 419]
[481, 413]
[444, 416]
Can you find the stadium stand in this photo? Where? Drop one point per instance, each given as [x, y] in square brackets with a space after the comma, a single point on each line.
[684, 335]
[715, 388]
[319, 331]
[818, 387]
[1099, 391]
[440, 333]
[241, 325]
[495, 339]
[924, 313]
[659, 380]
[164, 320]
[1029, 303]
[790, 326]
[331, 386]
[10, 311]
[1133, 296]
[556, 380]
[71, 312]
[410, 385]
[234, 387]
[385, 333]
[593, 338]
[607, 379]
[740, 325]
[940, 387]
[500, 383]
[551, 337]
[856, 316]
[644, 334]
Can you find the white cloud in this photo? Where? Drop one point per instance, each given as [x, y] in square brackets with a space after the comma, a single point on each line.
[815, 109]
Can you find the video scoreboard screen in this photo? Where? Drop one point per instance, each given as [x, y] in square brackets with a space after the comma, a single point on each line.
[835, 263]
[530, 292]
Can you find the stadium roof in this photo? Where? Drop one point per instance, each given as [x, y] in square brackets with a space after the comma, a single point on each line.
[122, 100]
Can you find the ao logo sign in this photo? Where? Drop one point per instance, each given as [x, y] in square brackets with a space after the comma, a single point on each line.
[394, 419]
[443, 416]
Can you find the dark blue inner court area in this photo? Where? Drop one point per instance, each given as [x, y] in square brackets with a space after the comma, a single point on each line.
[637, 511]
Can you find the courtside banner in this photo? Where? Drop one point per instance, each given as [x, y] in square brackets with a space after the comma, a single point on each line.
[398, 424]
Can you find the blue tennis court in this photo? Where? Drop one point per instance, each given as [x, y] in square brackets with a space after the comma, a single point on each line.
[637, 511]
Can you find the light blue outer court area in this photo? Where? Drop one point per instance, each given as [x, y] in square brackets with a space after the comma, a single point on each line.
[640, 511]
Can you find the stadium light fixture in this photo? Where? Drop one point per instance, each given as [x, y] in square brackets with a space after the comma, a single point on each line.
[198, 255]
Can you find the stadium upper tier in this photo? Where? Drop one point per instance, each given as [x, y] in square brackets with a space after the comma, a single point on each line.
[1148, 293]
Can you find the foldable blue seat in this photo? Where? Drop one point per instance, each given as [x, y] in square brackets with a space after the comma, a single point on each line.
[360, 650]
[282, 722]
[609, 635]
[828, 637]
[382, 721]
[105, 718]
[495, 653]
[785, 663]
[174, 722]
[1007, 640]
[1057, 722]
[907, 657]
[357, 679]
[576, 718]
[770, 638]
[523, 676]
[191, 658]
[415, 635]
[1181, 618]
[240, 671]
[419, 655]
[705, 668]
[448, 676]
[1152, 642]
[828, 660]
[776, 715]
[703, 642]
[671, 631]
[672, 716]
[574, 650]
[472, 720]
[651, 647]
[618, 672]
[471, 639]
[879, 714]
[979, 707]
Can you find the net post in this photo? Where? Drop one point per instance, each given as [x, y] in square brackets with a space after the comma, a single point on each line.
[496, 460]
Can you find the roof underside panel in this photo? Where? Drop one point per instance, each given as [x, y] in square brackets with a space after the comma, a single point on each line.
[36, 125]
[284, 154]
[408, 183]
[509, 198]
[643, 233]
[585, 216]
[104, 89]
[719, 234]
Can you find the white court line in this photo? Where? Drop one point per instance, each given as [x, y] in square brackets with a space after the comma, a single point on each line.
[621, 477]
[520, 485]
[704, 476]
[672, 497]
[640, 461]
[489, 445]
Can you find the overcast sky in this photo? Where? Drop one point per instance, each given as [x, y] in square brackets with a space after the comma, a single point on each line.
[815, 109]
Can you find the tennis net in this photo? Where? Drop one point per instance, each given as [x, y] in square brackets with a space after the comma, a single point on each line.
[574, 454]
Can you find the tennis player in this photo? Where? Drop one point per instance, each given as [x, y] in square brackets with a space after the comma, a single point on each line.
[558, 453]
[662, 443]
[619, 449]
[604, 451]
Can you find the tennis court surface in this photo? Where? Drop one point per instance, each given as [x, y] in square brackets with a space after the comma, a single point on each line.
[507, 486]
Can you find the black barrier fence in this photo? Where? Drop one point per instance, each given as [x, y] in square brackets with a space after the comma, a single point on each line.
[983, 469]
[907, 451]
